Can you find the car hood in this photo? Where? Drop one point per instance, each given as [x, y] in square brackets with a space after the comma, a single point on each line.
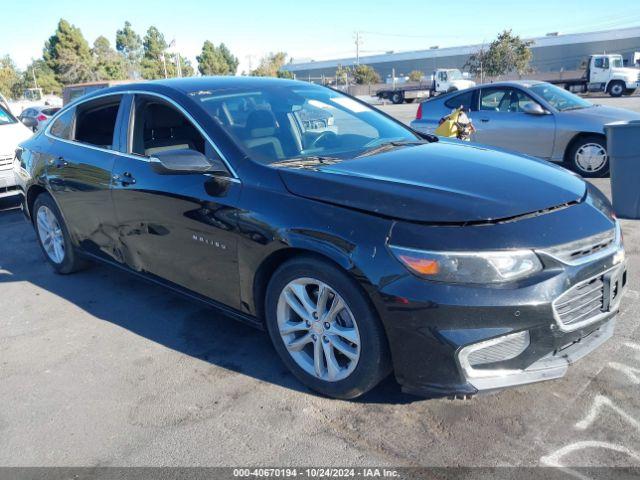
[603, 114]
[11, 135]
[440, 182]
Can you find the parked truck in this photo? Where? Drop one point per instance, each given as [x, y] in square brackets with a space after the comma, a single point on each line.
[443, 80]
[604, 73]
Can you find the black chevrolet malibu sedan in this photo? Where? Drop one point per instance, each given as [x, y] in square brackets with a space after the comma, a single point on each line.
[360, 245]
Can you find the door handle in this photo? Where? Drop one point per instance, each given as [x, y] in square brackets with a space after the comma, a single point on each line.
[125, 179]
[484, 120]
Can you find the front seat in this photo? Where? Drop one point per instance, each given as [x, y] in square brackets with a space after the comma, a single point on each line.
[261, 134]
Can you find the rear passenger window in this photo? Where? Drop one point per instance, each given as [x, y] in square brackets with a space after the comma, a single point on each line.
[63, 125]
[96, 122]
[464, 99]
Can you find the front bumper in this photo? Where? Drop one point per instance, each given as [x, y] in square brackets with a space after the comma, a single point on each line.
[430, 324]
[553, 365]
[8, 185]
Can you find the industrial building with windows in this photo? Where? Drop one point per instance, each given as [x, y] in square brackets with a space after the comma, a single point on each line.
[554, 52]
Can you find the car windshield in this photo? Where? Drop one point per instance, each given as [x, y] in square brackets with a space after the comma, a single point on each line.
[276, 123]
[6, 117]
[559, 98]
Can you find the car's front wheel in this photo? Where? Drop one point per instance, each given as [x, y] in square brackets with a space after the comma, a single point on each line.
[588, 157]
[325, 330]
[53, 236]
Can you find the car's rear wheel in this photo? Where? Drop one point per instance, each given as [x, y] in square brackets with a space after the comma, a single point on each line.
[616, 89]
[53, 236]
[325, 330]
[588, 156]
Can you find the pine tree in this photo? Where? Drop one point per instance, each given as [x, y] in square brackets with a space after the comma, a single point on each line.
[109, 64]
[129, 45]
[152, 65]
[212, 60]
[67, 53]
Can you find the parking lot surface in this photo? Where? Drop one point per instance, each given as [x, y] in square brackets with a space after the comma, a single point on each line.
[103, 369]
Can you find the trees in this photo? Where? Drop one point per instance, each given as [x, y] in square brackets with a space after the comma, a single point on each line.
[129, 45]
[67, 53]
[45, 78]
[416, 76]
[216, 60]
[271, 65]
[364, 75]
[508, 53]
[10, 79]
[157, 62]
[152, 65]
[109, 65]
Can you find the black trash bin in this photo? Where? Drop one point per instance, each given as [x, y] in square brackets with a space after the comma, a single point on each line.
[623, 147]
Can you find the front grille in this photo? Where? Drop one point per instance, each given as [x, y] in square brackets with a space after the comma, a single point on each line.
[6, 162]
[581, 302]
[579, 250]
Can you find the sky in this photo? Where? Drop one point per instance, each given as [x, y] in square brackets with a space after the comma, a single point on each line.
[319, 30]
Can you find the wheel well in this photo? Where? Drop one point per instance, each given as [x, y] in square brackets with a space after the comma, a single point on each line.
[576, 139]
[268, 267]
[32, 194]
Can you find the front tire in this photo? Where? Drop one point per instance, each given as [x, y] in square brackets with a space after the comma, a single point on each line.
[325, 330]
[397, 98]
[616, 89]
[53, 236]
[588, 156]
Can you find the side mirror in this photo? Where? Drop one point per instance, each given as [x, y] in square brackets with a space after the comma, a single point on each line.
[173, 162]
[29, 122]
[531, 108]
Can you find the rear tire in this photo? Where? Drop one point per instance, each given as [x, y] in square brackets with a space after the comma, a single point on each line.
[585, 156]
[617, 88]
[340, 355]
[53, 236]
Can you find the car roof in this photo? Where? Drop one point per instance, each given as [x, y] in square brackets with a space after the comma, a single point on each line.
[512, 83]
[198, 84]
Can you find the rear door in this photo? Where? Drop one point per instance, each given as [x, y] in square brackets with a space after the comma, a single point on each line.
[82, 149]
[180, 227]
[501, 122]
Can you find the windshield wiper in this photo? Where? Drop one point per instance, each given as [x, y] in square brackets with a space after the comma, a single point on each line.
[306, 161]
[386, 146]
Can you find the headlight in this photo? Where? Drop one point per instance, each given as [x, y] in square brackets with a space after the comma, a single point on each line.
[469, 267]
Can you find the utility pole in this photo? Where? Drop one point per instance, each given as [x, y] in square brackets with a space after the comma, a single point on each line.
[33, 72]
[358, 41]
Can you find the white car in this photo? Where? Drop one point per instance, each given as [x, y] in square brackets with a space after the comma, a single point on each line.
[12, 133]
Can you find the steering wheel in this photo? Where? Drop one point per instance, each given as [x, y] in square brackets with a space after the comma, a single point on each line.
[323, 136]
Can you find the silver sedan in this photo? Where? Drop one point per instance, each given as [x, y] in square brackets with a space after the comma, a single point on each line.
[535, 118]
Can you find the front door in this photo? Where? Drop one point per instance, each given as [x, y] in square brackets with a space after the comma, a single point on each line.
[79, 172]
[180, 227]
[501, 122]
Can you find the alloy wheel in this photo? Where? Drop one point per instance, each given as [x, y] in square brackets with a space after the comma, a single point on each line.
[591, 157]
[50, 234]
[318, 329]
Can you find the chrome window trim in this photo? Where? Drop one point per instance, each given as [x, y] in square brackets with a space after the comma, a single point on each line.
[234, 176]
